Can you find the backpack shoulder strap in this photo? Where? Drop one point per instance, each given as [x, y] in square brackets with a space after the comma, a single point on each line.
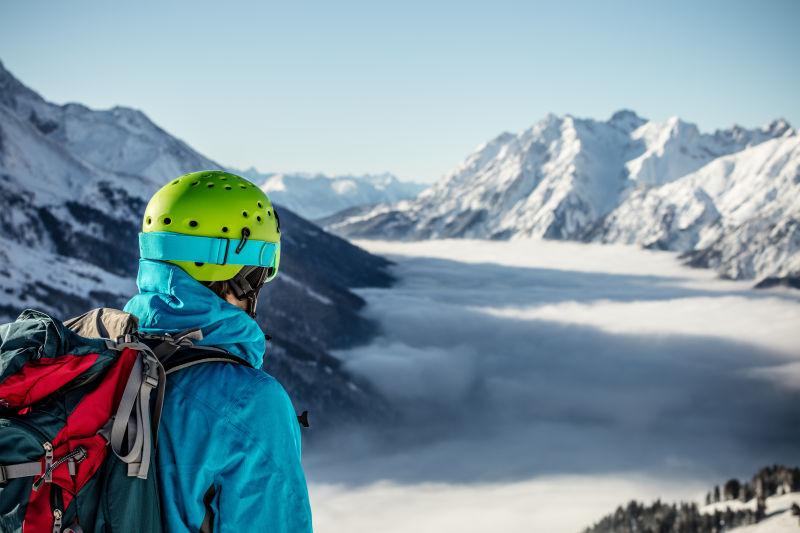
[188, 356]
[176, 351]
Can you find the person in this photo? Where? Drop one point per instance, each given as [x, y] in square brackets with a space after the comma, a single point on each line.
[229, 446]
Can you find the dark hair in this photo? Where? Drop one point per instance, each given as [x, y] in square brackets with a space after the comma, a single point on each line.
[220, 288]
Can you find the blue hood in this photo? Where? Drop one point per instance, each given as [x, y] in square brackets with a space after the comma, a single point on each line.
[170, 301]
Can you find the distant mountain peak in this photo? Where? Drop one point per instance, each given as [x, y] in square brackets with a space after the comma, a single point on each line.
[11, 89]
[5, 73]
[626, 120]
[129, 112]
[315, 195]
[778, 127]
[568, 178]
[626, 114]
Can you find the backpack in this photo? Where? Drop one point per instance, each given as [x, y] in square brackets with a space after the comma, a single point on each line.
[80, 406]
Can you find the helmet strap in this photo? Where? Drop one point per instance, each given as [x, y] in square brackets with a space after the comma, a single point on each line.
[241, 287]
[245, 286]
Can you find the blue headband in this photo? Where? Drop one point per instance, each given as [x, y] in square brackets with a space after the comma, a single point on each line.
[165, 246]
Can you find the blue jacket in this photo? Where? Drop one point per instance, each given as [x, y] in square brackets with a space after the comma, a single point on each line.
[229, 433]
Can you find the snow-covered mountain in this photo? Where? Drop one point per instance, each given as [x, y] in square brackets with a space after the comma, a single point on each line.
[621, 180]
[314, 196]
[739, 214]
[74, 183]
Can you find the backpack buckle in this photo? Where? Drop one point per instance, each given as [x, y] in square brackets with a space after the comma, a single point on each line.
[151, 370]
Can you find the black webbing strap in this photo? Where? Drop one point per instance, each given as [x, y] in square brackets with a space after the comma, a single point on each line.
[195, 355]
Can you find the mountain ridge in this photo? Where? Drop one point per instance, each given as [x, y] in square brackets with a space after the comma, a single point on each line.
[573, 179]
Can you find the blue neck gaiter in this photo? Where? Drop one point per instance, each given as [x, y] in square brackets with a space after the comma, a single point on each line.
[171, 301]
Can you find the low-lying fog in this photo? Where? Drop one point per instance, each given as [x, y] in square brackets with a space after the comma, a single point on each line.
[540, 384]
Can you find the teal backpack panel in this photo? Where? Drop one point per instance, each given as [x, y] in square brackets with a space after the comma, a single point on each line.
[58, 469]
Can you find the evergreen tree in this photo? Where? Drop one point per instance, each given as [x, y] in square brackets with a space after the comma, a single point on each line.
[761, 509]
[659, 517]
[746, 493]
[731, 490]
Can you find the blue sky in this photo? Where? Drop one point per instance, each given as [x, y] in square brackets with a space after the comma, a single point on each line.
[409, 87]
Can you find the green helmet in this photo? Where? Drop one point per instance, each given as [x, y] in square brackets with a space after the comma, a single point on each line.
[212, 224]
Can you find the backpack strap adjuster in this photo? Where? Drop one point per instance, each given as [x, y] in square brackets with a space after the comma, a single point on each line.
[19, 470]
[132, 418]
[151, 375]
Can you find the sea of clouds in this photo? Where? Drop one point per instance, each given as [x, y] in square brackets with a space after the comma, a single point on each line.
[543, 383]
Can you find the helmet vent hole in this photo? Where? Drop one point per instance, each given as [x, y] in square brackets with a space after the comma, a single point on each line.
[167, 221]
[194, 183]
[210, 185]
[242, 187]
[198, 264]
[148, 220]
[258, 218]
[244, 214]
[228, 187]
[223, 178]
[176, 182]
[193, 223]
[260, 204]
[269, 213]
[224, 229]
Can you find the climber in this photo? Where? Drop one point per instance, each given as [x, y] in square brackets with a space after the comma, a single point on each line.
[228, 453]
